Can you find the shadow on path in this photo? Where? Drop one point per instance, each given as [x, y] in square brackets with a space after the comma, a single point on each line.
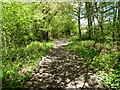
[62, 69]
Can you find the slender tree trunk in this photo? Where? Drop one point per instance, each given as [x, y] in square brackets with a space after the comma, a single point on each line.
[114, 21]
[79, 29]
[101, 21]
[97, 17]
[119, 19]
[89, 26]
[119, 11]
[89, 16]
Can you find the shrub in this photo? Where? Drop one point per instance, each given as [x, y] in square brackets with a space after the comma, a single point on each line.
[16, 73]
[105, 59]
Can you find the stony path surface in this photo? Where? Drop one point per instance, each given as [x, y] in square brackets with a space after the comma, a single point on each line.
[62, 69]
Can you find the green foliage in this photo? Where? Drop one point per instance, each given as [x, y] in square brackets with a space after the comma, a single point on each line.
[35, 47]
[26, 25]
[26, 22]
[104, 56]
[106, 61]
[82, 48]
[111, 80]
[16, 23]
[110, 64]
[16, 72]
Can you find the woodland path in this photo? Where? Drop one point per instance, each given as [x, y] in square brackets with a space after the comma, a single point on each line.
[62, 69]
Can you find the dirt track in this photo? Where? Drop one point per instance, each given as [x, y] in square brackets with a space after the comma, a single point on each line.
[62, 69]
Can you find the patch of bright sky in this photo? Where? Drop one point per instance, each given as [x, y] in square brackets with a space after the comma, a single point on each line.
[84, 22]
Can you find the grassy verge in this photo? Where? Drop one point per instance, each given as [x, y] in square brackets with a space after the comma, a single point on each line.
[18, 63]
[105, 59]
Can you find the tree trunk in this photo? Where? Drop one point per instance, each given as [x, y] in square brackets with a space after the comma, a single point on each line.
[89, 17]
[118, 19]
[114, 22]
[79, 20]
[119, 11]
[101, 21]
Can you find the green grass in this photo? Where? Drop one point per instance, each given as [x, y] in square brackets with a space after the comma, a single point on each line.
[83, 48]
[105, 59]
[20, 62]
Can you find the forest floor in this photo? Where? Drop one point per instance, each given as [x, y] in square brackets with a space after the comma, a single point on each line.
[63, 69]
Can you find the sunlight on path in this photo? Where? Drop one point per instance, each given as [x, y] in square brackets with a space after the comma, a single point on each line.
[62, 69]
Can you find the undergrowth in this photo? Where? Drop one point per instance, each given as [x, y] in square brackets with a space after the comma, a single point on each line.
[104, 58]
[18, 63]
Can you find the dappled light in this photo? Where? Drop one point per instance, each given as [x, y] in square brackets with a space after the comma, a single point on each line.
[60, 45]
[62, 69]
